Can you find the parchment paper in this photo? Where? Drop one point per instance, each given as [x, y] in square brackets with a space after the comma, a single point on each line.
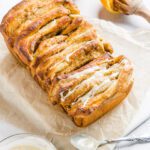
[25, 104]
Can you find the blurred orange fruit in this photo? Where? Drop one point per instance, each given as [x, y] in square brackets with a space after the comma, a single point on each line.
[109, 5]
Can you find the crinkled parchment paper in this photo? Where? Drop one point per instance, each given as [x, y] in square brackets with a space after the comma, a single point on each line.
[25, 104]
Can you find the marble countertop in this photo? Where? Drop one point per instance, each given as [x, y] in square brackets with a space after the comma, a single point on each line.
[92, 9]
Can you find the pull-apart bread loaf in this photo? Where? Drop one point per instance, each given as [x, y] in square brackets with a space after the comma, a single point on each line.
[67, 58]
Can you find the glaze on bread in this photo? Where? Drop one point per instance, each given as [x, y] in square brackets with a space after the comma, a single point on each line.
[68, 59]
[89, 92]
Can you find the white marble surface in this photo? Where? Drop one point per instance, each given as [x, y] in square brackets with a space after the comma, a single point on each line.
[93, 8]
[90, 8]
[143, 130]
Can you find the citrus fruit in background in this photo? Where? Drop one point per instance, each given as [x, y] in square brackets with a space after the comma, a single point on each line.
[109, 5]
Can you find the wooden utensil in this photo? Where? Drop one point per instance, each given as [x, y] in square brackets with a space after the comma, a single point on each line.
[130, 7]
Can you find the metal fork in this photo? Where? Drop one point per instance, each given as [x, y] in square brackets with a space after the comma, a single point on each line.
[130, 7]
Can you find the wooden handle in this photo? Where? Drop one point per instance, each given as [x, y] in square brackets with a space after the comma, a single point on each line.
[143, 12]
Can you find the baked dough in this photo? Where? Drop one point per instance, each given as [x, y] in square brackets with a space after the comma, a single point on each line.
[89, 92]
[67, 57]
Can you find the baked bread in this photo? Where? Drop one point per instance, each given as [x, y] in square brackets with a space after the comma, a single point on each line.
[89, 92]
[68, 59]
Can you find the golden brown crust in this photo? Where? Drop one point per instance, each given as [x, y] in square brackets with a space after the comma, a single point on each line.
[25, 45]
[63, 83]
[103, 103]
[67, 58]
[76, 94]
[28, 17]
[29, 10]
[107, 105]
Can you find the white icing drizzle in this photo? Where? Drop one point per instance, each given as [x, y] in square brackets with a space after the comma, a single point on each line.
[67, 58]
[96, 89]
[100, 81]
[48, 26]
[85, 72]
[124, 61]
[97, 77]
[69, 54]
[53, 66]
[82, 35]
[114, 75]
[62, 97]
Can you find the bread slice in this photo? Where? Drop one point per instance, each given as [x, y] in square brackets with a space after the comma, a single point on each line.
[109, 89]
[89, 92]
